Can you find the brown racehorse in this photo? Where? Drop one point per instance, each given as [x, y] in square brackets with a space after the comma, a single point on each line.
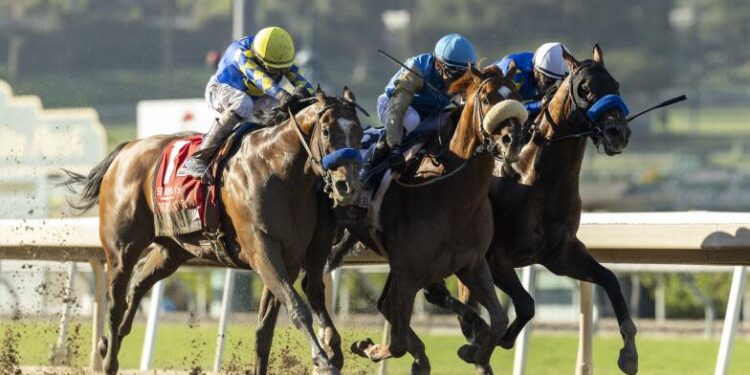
[443, 227]
[537, 204]
[268, 189]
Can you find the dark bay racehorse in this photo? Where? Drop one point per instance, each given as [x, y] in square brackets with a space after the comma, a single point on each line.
[537, 204]
[443, 226]
[268, 189]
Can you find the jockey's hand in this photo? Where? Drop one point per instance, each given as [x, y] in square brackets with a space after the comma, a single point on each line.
[301, 93]
[285, 99]
[396, 159]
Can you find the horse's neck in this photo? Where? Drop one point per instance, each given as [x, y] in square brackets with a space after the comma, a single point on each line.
[277, 151]
[553, 169]
[464, 140]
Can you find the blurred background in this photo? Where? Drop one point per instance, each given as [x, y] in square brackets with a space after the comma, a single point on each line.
[95, 61]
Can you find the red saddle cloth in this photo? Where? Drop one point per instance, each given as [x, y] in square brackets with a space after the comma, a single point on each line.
[183, 204]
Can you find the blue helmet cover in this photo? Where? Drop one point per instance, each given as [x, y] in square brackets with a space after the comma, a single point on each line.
[455, 50]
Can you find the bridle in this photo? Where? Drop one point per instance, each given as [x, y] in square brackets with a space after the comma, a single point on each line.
[488, 143]
[325, 162]
[589, 109]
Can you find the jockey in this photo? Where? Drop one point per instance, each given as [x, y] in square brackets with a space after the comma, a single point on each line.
[536, 73]
[247, 80]
[408, 103]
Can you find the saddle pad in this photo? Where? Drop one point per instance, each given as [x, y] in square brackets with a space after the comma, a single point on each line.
[180, 200]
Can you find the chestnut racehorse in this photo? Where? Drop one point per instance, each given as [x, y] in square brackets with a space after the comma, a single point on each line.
[268, 189]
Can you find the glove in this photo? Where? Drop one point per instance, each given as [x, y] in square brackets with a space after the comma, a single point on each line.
[396, 159]
[285, 99]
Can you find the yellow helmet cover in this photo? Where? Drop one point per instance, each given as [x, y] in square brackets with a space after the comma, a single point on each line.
[274, 46]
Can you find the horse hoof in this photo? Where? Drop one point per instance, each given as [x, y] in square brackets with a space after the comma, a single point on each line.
[111, 366]
[103, 346]
[468, 353]
[628, 362]
[484, 370]
[360, 347]
[420, 369]
[506, 343]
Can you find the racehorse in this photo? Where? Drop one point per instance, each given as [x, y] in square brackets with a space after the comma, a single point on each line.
[537, 205]
[268, 191]
[443, 226]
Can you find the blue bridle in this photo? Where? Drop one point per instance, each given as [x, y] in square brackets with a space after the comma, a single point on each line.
[341, 156]
[604, 104]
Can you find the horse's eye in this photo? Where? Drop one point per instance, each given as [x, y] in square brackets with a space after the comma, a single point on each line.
[485, 101]
[325, 133]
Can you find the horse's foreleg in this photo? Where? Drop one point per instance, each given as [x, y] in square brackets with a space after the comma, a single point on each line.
[315, 261]
[473, 326]
[506, 279]
[267, 314]
[161, 262]
[270, 265]
[577, 263]
[478, 279]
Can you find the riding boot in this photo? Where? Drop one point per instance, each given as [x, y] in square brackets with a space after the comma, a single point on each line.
[197, 165]
[380, 153]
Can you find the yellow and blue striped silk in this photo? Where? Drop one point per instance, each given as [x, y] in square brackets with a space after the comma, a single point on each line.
[259, 83]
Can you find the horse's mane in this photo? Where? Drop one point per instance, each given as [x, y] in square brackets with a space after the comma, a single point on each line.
[465, 83]
[280, 113]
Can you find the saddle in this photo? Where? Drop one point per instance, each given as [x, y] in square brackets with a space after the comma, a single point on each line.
[185, 205]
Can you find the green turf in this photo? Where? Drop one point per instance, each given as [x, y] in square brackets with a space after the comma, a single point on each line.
[182, 347]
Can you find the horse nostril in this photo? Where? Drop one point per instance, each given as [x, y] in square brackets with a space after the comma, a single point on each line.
[342, 187]
[507, 139]
[612, 132]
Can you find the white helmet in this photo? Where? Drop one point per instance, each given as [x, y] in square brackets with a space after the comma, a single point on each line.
[549, 60]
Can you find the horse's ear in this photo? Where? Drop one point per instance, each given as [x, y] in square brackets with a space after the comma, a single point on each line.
[512, 69]
[598, 54]
[475, 73]
[570, 60]
[319, 94]
[349, 95]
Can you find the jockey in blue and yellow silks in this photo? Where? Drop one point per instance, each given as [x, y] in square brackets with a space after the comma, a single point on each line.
[247, 79]
[536, 72]
[408, 103]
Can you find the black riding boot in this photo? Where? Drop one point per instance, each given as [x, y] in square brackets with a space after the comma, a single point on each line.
[379, 154]
[197, 165]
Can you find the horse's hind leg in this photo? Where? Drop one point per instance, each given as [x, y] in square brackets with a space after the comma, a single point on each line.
[577, 263]
[162, 261]
[267, 314]
[270, 265]
[121, 258]
[479, 280]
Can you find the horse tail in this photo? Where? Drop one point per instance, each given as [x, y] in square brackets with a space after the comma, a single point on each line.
[89, 196]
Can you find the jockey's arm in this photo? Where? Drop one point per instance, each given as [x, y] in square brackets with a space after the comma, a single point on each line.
[406, 86]
[533, 107]
[255, 73]
[296, 78]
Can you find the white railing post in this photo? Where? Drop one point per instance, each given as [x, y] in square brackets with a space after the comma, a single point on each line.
[152, 323]
[528, 276]
[584, 365]
[730, 320]
[226, 309]
[60, 350]
[98, 314]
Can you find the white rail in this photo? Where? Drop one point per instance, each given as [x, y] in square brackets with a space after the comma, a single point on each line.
[679, 238]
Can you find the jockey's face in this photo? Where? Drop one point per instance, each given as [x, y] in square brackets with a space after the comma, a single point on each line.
[448, 73]
[542, 81]
[275, 72]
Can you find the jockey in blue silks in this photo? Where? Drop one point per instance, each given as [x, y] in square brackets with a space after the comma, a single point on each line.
[536, 73]
[409, 104]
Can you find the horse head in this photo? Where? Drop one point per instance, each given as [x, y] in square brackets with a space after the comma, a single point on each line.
[492, 104]
[593, 107]
[335, 139]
